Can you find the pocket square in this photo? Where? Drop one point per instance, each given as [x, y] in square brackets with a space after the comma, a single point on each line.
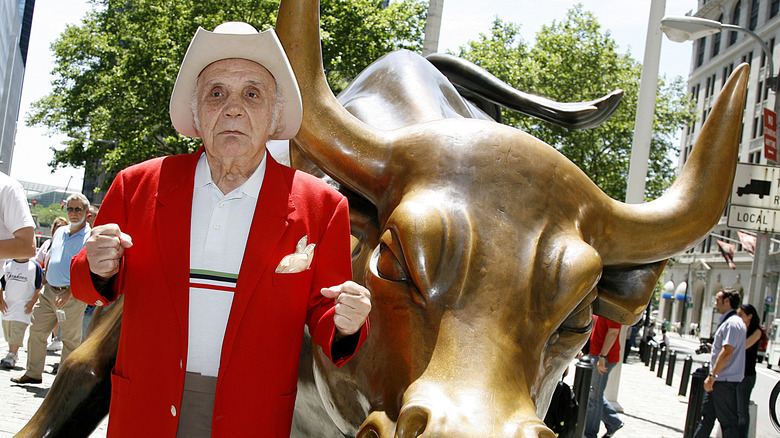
[298, 261]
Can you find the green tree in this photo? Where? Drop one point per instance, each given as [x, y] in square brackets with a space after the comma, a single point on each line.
[46, 215]
[576, 60]
[115, 71]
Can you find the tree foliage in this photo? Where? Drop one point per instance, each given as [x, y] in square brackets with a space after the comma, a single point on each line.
[115, 71]
[576, 60]
[46, 215]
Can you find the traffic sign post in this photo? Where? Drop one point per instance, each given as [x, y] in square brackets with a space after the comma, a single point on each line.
[755, 205]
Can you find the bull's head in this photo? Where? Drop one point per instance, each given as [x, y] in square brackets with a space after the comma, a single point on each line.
[487, 253]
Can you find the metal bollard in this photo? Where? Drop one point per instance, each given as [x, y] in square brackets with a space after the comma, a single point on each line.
[686, 374]
[670, 368]
[661, 363]
[653, 357]
[643, 351]
[696, 400]
[582, 376]
[646, 354]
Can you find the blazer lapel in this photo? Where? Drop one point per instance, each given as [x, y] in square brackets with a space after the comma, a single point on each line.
[173, 218]
[268, 226]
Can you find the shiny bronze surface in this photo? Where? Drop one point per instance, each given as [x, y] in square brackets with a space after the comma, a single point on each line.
[486, 251]
[492, 251]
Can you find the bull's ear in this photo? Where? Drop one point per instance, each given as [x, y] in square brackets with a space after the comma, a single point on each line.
[623, 292]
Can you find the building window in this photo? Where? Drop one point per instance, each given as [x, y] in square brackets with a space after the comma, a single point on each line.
[735, 21]
[753, 21]
[716, 41]
[700, 43]
[755, 128]
[759, 94]
[774, 8]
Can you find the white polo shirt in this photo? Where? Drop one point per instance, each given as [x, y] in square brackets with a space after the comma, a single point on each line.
[218, 236]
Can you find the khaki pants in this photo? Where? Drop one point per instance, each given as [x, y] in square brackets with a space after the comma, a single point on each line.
[44, 318]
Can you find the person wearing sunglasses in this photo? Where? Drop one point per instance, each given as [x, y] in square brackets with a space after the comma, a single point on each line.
[56, 303]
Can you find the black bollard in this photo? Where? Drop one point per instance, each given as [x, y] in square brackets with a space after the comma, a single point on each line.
[696, 400]
[646, 354]
[661, 363]
[582, 375]
[653, 357]
[670, 369]
[643, 351]
[686, 374]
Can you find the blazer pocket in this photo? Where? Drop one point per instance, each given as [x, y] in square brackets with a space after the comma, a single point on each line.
[120, 385]
[296, 279]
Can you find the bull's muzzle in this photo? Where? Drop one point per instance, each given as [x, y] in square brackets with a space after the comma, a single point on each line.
[420, 421]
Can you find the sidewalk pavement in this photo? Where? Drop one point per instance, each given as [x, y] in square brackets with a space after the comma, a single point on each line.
[18, 403]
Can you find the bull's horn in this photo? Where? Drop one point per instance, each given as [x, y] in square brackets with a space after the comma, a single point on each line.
[340, 144]
[644, 233]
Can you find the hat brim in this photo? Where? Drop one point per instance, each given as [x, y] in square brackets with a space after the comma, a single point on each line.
[263, 48]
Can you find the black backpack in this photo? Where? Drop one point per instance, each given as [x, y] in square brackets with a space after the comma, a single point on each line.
[561, 416]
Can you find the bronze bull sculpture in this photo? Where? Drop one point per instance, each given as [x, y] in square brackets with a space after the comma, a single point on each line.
[492, 252]
[486, 252]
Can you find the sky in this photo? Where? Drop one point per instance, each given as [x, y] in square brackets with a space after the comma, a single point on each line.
[462, 20]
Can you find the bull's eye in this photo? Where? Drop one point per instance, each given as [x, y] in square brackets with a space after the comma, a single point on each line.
[390, 261]
[388, 266]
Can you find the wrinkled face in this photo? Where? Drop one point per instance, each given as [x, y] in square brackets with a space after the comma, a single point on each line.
[235, 108]
[76, 212]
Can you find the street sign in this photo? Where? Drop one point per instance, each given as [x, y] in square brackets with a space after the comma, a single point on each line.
[769, 300]
[757, 219]
[756, 186]
[770, 134]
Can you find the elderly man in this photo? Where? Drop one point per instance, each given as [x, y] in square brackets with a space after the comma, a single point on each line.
[222, 256]
[56, 302]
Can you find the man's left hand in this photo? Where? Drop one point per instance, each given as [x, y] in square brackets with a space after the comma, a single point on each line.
[353, 303]
[62, 299]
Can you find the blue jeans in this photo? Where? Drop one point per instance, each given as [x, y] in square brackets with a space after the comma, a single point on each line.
[720, 403]
[743, 402]
[599, 408]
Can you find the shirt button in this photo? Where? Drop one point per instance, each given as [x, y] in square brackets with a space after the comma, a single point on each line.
[181, 364]
[220, 204]
[216, 226]
[173, 410]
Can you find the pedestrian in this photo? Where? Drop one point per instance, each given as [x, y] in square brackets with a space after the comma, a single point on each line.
[42, 257]
[56, 303]
[222, 256]
[605, 354]
[17, 239]
[727, 369]
[754, 335]
[19, 289]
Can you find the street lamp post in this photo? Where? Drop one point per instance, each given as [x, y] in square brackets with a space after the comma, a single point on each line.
[685, 28]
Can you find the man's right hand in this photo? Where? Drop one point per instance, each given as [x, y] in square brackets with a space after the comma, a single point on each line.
[105, 248]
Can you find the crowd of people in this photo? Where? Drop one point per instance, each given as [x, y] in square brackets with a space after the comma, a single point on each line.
[35, 291]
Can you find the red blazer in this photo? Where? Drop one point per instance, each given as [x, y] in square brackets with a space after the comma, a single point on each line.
[257, 381]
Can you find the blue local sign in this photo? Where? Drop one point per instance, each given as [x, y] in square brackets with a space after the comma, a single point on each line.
[769, 300]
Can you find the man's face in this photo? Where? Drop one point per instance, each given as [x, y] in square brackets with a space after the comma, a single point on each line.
[76, 212]
[236, 100]
[722, 305]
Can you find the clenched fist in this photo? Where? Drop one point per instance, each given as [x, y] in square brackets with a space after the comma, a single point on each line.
[105, 248]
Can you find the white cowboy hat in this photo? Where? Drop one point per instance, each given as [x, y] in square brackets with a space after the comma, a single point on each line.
[236, 40]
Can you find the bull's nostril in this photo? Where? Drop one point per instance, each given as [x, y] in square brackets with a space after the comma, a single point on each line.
[412, 422]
